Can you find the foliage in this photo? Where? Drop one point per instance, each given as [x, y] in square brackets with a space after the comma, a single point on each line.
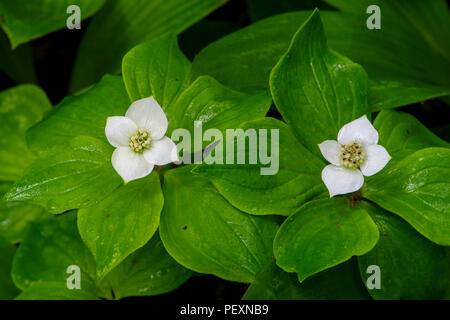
[301, 75]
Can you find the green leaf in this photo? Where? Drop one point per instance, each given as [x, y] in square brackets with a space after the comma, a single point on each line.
[122, 24]
[402, 134]
[54, 291]
[81, 115]
[148, 271]
[75, 175]
[316, 90]
[18, 63]
[121, 223]
[156, 68]
[392, 93]
[216, 106]
[203, 33]
[7, 288]
[20, 108]
[50, 246]
[26, 20]
[5, 186]
[411, 266]
[253, 52]
[341, 282]
[15, 217]
[417, 189]
[294, 181]
[203, 232]
[413, 42]
[322, 234]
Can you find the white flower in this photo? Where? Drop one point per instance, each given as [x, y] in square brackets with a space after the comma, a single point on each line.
[354, 155]
[139, 139]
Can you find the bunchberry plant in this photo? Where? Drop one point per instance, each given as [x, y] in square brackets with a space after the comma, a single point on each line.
[107, 188]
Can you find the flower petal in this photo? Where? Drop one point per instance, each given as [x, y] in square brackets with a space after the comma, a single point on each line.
[162, 152]
[376, 159]
[129, 164]
[330, 151]
[339, 180]
[118, 130]
[360, 130]
[148, 115]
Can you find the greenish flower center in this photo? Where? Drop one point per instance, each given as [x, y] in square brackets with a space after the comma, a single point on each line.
[352, 155]
[140, 141]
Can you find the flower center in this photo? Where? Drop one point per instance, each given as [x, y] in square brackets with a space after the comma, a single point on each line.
[352, 155]
[140, 141]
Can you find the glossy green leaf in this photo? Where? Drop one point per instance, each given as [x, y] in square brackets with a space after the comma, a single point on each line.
[75, 175]
[81, 115]
[391, 93]
[216, 106]
[203, 33]
[411, 266]
[122, 24]
[5, 186]
[203, 232]
[322, 234]
[20, 108]
[316, 90]
[148, 271]
[292, 182]
[408, 56]
[7, 288]
[18, 63]
[48, 249]
[25, 20]
[253, 52]
[418, 190]
[341, 282]
[15, 217]
[413, 42]
[52, 245]
[121, 223]
[156, 68]
[54, 291]
[402, 134]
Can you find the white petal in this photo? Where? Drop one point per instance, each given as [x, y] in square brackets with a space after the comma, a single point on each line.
[330, 151]
[129, 164]
[148, 115]
[118, 130]
[162, 152]
[377, 158]
[360, 130]
[340, 180]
